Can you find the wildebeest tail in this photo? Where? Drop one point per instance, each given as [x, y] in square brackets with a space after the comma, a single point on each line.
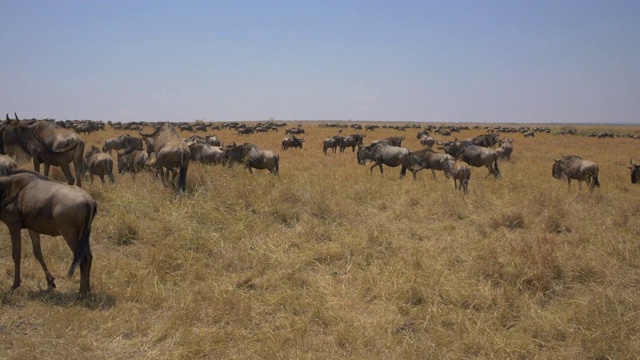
[495, 166]
[83, 251]
[277, 169]
[595, 180]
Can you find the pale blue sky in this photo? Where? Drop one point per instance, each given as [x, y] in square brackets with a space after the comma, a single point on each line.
[448, 61]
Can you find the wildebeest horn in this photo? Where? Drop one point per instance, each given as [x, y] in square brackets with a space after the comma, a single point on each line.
[456, 139]
[7, 120]
[147, 135]
[630, 161]
[16, 116]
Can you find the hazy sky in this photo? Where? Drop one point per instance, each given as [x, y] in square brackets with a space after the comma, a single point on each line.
[450, 61]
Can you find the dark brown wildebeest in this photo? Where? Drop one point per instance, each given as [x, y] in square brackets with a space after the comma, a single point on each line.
[382, 154]
[47, 144]
[427, 141]
[99, 164]
[294, 131]
[207, 154]
[576, 168]
[7, 165]
[171, 153]
[506, 148]
[245, 130]
[393, 141]
[132, 160]
[212, 140]
[479, 156]
[292, 142]
[635, 172]
[485, 140]
[122, 142]
[427, 159]
[253, 157]
[459, 171]
[33, 202]
[331, 143]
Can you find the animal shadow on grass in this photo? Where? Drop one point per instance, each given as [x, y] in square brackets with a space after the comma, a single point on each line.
[93, 301]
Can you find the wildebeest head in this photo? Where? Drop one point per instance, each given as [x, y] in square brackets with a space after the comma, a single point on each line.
[635, 172]
[557, 170]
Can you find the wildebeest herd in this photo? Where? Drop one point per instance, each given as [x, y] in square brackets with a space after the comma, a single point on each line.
[32, 201]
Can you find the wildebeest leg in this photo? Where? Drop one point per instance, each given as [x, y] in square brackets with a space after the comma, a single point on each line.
[371, 168]
[112, 179]
[403, 171]
[46, 169]
[67, 173]
[101, 179]
[455, 183]
[569, 184]
[16, 251]
[37, 252]
[91, 178]
[77, 163]
[73, 237]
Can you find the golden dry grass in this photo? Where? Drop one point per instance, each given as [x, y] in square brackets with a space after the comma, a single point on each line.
[326, 261]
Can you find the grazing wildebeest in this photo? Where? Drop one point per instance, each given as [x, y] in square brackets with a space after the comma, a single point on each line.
[382, 154]
[99, 164]
[171, 153]
[576, 168]
[292, 142]
[331, 143]
[458, 170]
[529, 134]
[122, 142]
[393, 141]
[245, 131]
[47, 144]
[33, 202]
[635, 172]
[132, 160]
[7, 165]
[479, 156]
[253, 157]
[485, 140]
[427, 159]
[207, 154]
[294, 131]
[212, 140]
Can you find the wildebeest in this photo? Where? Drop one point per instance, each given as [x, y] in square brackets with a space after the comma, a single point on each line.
[576, 168]
[459, 171]
[122, 142]
[331, 143]
[212, 140]
[7, 165]
[47, 144]
[245, 131]
[294, 131]
[207, 154]
[485, 140]
[506, 148]
[427, 159]
[171, 153]
[351, 141]
[292, 142]
[99, 164]
[529, 134]
[635, 172]
[132, 160]
[479, 156]
[382, 154]
[31, 201]
[253, 157]
[393, 141]
[427, 141]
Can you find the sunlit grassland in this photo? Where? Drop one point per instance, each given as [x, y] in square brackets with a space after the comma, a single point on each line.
[326, 261]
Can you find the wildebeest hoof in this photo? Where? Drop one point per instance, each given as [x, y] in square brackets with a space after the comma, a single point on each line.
[51, 284]
[15, 286]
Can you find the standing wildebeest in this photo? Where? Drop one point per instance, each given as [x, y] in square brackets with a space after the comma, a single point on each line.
[122, 142]
[47, 144]
[171, 153]
[383, 154]
[253, 157]
[635, 172]
[207, 154]
[292, 142]
[7, 165]
[506, 148]
[427, 159]
[33, 202]
[485, 140]
[427, 141]
[132, 160]
[574, 167]
[99, 164]
[458, 170]
[479, 156]
[393, 141]
[212, 140]
[331, 143]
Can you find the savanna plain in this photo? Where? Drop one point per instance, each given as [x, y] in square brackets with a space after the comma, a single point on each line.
[328, 262]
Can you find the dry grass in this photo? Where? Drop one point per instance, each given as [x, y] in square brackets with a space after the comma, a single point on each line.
[326, 261]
